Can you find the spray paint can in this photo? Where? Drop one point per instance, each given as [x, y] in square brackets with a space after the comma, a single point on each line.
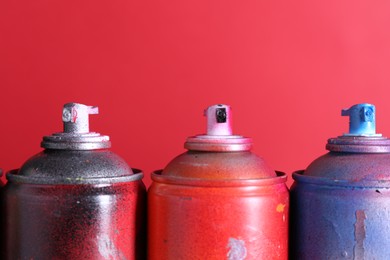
[340, 205]
[75, 199]
[218, 200]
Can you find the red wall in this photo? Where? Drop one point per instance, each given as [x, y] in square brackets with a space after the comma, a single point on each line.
[152, 66]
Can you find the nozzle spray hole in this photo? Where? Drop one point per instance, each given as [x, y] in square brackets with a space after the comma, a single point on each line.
[367, 114]
[221, 115]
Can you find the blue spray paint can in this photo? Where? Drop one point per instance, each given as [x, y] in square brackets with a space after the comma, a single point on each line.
[340, 205]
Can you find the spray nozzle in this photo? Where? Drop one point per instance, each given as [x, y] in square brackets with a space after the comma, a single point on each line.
[218, 120]
[76, 117]
[76, 134]
[361, 120]
[219, 136]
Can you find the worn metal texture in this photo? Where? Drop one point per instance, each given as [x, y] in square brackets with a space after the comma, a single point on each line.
[219, 165]
[83, 221]
[352, 167]
[333, 219]
[218, 200]
[217, 219]
[74, 167]
[75, 199]
[358, 144]
[340, 205]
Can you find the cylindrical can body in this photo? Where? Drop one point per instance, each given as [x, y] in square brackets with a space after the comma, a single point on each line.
[339, 220]
[83, 221]
[206, 219]
[218, 200]
[340, 205]
[75, 199]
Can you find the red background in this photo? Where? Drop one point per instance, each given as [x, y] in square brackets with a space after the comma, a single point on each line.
[152, 66]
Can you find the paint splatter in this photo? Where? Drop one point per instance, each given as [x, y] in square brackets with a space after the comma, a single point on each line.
[237, 250]
[280, 207]
[360, 235]
[107, 248]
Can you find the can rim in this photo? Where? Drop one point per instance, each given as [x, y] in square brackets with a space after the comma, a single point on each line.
[359, 144]
[300, 178]
[157, 177]
[13, 177]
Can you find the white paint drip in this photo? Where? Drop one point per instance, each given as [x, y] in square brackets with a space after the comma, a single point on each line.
[237, 249]
[107, 248]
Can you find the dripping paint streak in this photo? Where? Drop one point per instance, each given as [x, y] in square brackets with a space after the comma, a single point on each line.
[360, 235]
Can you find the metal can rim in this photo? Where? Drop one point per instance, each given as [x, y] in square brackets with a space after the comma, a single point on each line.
[300, 178]
[13, 177]
[157, 177]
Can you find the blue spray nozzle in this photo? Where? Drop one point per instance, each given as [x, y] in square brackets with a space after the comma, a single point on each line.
[361, 120]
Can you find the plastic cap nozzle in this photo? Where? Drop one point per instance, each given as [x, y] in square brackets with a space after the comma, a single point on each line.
[219, 120]
[361, 120]
[76, 117]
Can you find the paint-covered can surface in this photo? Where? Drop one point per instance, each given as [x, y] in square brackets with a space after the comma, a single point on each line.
[218, 200]
[75, 199]
[340, 205]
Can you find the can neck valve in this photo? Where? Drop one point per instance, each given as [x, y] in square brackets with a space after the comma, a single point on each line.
[362, 137]
[218, 120]
[76, 117]
[76, 134]
[361, 120]
[219, 136]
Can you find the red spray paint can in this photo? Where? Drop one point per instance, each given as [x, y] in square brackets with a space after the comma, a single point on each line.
[218, 200]
[75, 199]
